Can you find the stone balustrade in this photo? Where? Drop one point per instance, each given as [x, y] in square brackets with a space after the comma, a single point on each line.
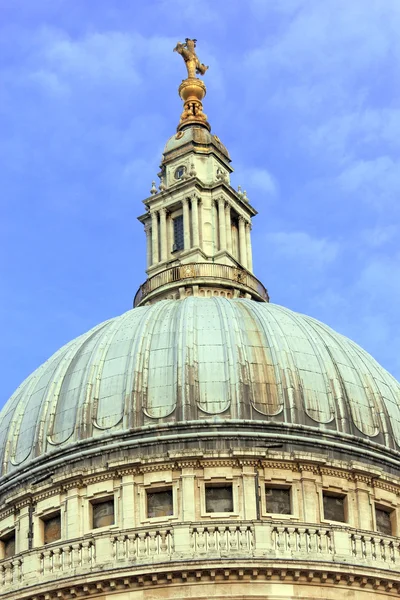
[200, 274]
[67, 557]
[10, 572]
[143, 545]
[327, 545]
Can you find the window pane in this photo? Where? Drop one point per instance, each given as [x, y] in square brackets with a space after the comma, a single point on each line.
[178, 233]
[383, 523]
[278, 500]
[160, 504]
[52, 529]
[103, 514]
[334, 508]
[219, 498]
[9, 545]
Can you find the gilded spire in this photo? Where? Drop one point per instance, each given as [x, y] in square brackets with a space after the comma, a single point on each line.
[192, 90]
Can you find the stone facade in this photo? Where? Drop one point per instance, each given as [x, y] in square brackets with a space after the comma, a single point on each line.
[189, 549]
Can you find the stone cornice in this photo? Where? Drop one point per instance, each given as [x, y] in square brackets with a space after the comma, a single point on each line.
[215, 571]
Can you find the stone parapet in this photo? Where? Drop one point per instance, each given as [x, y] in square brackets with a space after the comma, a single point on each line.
[190, 279]
[321, 549]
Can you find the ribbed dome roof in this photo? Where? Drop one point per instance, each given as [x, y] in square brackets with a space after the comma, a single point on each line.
[194, 360]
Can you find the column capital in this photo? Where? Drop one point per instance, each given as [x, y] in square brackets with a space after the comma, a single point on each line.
[153, 212]
[147, 227]
[185, 200]
[163, 211]
[195, 197]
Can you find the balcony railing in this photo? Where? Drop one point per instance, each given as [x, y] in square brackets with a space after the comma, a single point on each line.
[225, 274]
[134, 549]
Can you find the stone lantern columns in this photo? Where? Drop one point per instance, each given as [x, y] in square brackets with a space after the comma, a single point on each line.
[195, 220]
[163, 233]
[242, 242]
[154, 237]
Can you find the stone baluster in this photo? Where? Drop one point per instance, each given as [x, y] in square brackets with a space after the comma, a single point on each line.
[244, 542]
[163, 542]
[76, 555]
[186, 224]
[152, 536]
[132, 547]
[233, 538]
[8, 576]
[211, 533]
[57, 555]
[223, 541]
[301, 539]
[200, 540]
[242, 242]
[154, 237]
[47, 561]
[67, 557]
[86, 546]
[142, 544]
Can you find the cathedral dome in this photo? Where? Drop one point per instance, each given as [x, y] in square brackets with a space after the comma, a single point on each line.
[202, 366]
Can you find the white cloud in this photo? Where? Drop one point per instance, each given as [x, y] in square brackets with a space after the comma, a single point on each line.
[376, 181]
[257, 179]
[301, 247]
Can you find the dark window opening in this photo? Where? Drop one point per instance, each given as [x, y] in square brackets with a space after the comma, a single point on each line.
[51, 528]
[160, 503]
[219, 498]
[178, 234]
[383, 520]
[102, 513]
[334, 507]
[8, 542]
[277, 500]
[179, 172]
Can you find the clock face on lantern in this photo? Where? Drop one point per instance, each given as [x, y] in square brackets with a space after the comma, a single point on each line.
[180, 171]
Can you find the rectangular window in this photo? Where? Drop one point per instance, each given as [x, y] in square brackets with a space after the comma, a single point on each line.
[51, 528]
[219, 498]
[383, 520]
[8, 543]
[103, 513]
[334, 507]
[178, 234]
[277, 500]
[160, 503]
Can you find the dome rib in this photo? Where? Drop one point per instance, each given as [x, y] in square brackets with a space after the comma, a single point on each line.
[192, 360]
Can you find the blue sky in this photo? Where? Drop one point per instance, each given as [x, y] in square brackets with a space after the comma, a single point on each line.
[304, 93]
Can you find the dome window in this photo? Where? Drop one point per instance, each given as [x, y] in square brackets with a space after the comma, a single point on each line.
[160, 503]
[334, 507]
[278, 500]
[180, 172]
[219, 498]
[102, 513]
[8, 544]
[178, 233]
[383, 519]
[51, 528]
